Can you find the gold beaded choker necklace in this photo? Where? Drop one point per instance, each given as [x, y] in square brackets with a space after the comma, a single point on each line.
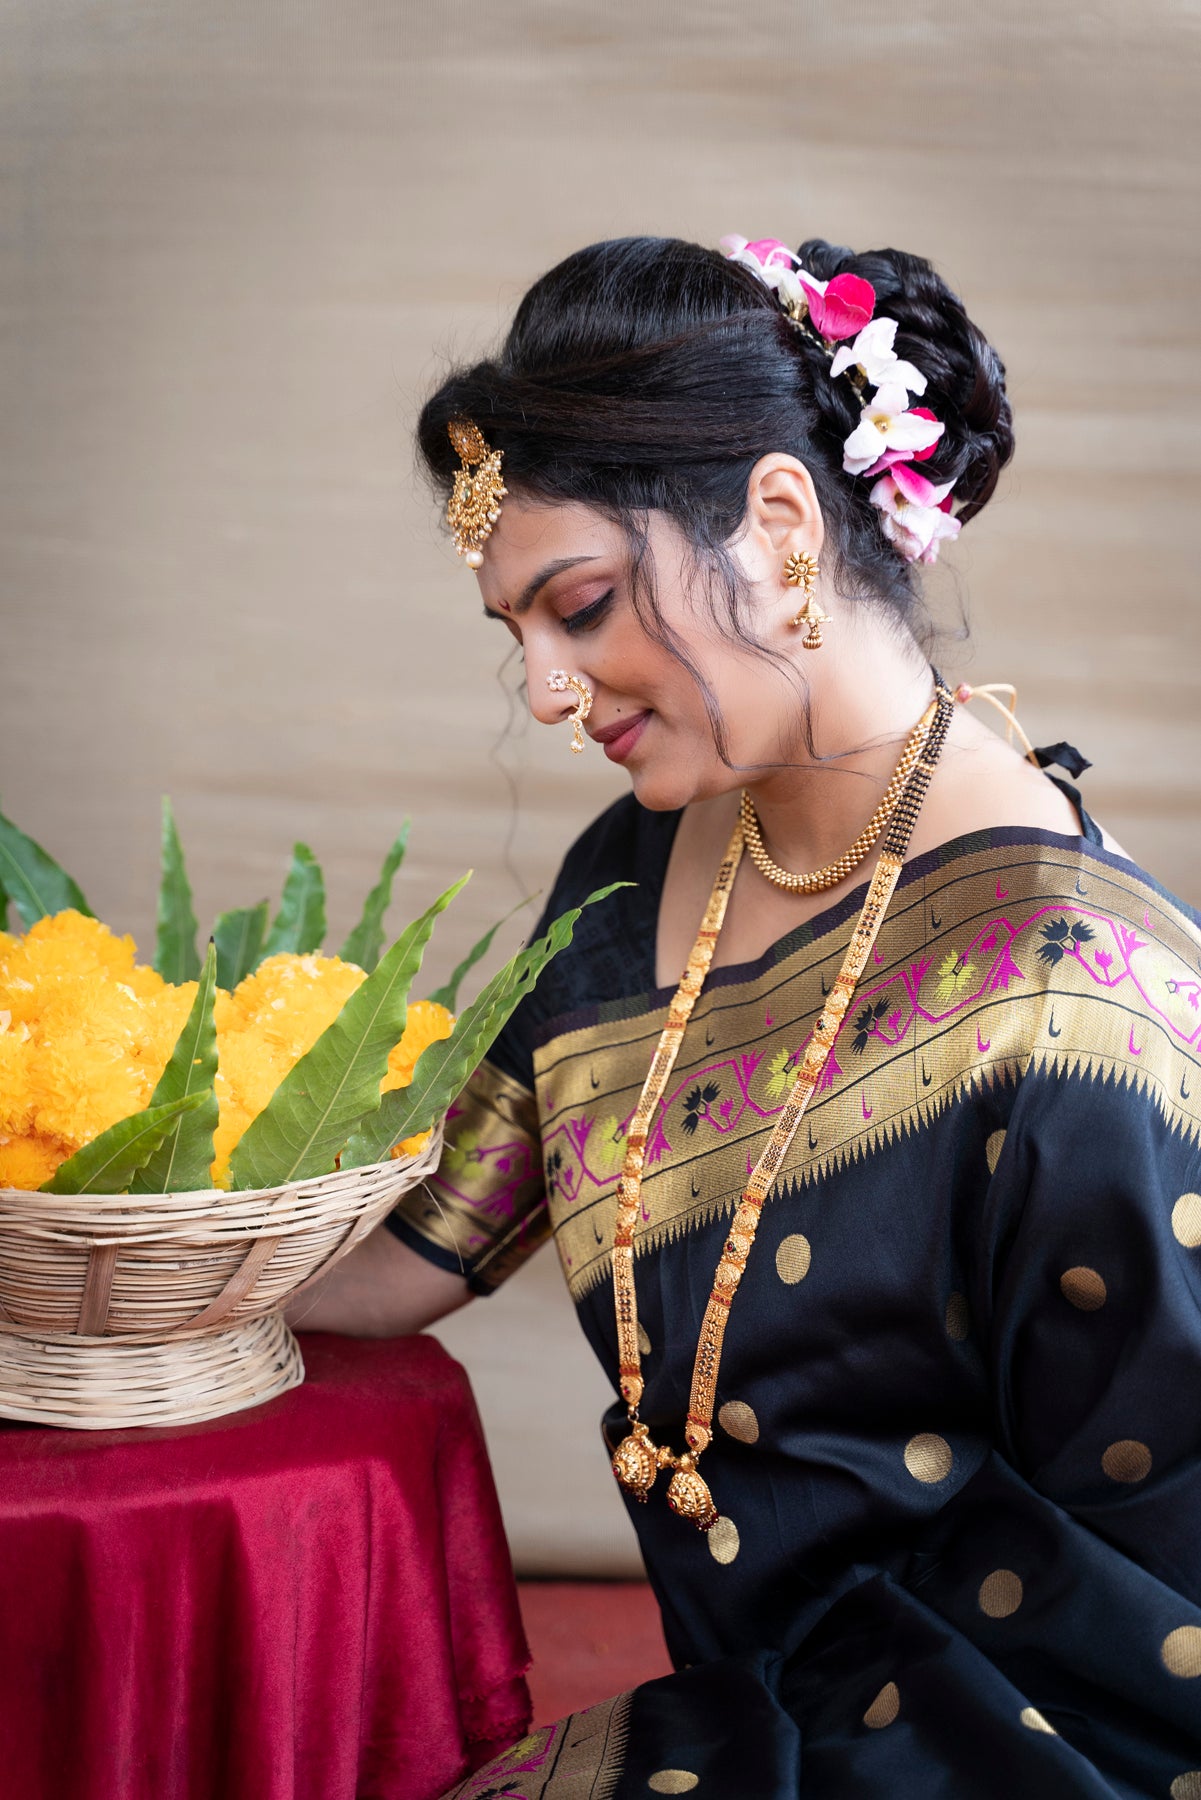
[637, 1460]
[849, 861]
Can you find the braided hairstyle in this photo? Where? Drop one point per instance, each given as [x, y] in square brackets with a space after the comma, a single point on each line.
[649, 375]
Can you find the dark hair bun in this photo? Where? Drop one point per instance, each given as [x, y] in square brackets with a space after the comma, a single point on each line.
[965, 376]
[647, 375]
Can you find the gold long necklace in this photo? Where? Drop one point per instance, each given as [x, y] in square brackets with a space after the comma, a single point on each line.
[637, 1460]
[849, 861]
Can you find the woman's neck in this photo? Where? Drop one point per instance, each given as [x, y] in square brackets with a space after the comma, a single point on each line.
[869, 688]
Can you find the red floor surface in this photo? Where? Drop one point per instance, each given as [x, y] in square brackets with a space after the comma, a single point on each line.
[589, 1639]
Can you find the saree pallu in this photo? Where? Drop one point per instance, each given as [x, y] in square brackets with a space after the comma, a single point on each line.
[957, 1451]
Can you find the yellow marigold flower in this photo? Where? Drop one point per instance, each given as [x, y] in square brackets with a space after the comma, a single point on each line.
[67, 943]
[86, 1031]
[161, 1019]
[80, 1088]
[272, 1019]
[249, 1070]
[427, 1024]
[107, 1011]
[232, 1123]
[410, 1146]
[227, 1014]
[290, 1000]
[26, 1162]
[16, 1087]
[148, 984]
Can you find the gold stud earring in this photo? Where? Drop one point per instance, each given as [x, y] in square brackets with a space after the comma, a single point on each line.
[558, 681]
[801, 570]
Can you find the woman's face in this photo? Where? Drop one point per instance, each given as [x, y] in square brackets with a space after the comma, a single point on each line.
[557, 576]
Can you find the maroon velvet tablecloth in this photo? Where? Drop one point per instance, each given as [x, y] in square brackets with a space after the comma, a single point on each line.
[312, 1600]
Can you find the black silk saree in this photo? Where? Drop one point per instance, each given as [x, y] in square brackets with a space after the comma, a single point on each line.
[958, 1439]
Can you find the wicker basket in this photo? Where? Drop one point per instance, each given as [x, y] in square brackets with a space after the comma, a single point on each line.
[164, 1309]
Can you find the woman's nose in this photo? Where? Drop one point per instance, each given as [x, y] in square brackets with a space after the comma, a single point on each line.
[555, 693]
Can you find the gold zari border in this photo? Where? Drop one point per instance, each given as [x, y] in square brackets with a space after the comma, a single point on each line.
[966, 991]
[580, 1758]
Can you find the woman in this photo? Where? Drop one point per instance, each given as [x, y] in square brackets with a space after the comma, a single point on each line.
[904, 1232]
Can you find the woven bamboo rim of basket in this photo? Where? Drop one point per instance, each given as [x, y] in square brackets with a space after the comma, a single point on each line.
[87, 1280]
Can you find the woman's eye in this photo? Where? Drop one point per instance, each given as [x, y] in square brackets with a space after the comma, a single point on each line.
[588, 616]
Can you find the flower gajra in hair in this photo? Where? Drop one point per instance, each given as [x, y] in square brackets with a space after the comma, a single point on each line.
[840, 316]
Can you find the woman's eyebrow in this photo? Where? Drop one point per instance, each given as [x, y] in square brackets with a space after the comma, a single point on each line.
[529, 592]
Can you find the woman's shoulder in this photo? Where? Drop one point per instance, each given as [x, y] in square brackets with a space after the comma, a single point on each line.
[1042, 865]
[1063, 951]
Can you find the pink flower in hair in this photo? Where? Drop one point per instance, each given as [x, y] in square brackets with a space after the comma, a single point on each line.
[886, 424]
[840, 307]
[770, 252]
[758, 255]
[915, 515]
[772, 262]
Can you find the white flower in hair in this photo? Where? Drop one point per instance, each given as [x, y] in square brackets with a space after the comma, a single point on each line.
[914, 516]
[790, 291]
[872, 352]
[886, 424]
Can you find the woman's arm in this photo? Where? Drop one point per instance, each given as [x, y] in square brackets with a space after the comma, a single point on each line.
[382, 1289]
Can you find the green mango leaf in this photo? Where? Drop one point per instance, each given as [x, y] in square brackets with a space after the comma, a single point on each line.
[175, 955]
[238, 936]
[322, 1099]
[448, 996]
[181, 1163]
[403, 1112]
[32, 880]
[444, 1067]
[3, 910]
[109, 1163]
[366, 940]
[299, 925]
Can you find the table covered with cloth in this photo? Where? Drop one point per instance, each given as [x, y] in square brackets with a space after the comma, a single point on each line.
[311, 1600]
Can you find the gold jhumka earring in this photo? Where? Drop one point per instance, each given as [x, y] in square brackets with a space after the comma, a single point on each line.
[800, 570]
[558, 681]
[474, 504]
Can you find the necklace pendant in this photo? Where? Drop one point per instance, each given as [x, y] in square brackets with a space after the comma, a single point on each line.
[635, 1463]
[688, 1495]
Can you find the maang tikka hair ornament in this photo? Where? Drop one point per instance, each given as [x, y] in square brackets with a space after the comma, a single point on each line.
[474, 504]
[558, 681]
[839, 316]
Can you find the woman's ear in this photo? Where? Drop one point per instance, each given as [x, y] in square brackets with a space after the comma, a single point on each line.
[782, 513]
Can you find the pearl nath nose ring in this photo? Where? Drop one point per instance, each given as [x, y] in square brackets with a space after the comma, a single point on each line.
[558, 681]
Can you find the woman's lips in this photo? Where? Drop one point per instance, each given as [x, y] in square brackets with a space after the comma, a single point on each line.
[618, 739]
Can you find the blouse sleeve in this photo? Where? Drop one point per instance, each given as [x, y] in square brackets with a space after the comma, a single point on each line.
[484, 1212]
[1095, 1215]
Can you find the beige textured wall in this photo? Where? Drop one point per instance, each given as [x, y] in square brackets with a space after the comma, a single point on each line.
[238, 242]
